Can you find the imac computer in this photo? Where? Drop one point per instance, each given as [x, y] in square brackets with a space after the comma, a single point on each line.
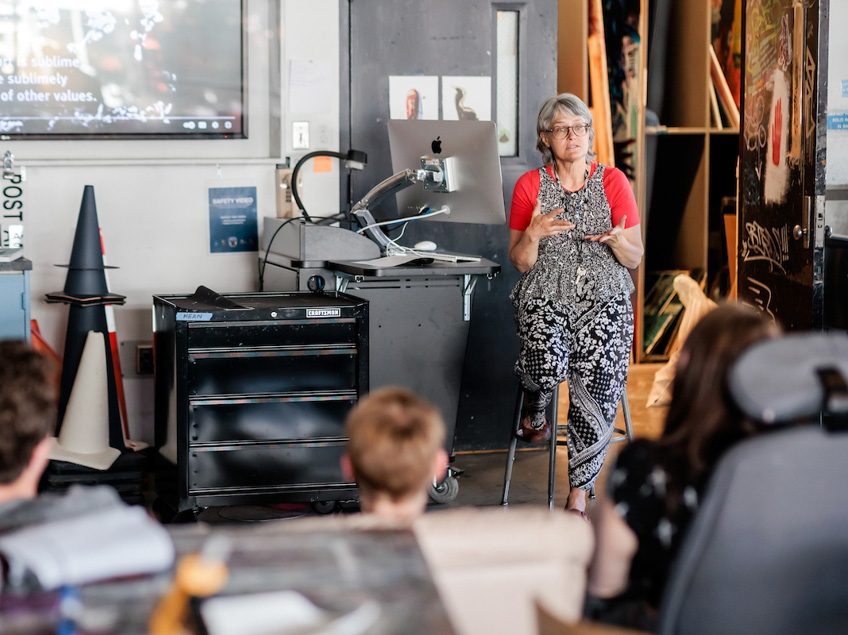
[456, 171]
[472, 146]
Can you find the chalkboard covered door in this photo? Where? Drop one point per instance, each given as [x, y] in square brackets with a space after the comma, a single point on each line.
[445, 39]
[783, 152]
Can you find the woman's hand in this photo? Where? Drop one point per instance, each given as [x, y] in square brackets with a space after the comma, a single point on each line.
[547, 224]
[524, 245]
[611, 236]
[626, 244]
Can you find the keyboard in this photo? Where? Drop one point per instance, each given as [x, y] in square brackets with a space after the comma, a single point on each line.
[445, 257]
[398, 260]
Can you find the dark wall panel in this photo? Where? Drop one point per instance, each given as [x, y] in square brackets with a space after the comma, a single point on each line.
[445, 37]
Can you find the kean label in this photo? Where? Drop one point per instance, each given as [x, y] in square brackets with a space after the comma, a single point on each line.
[323, 313]
[186, 316]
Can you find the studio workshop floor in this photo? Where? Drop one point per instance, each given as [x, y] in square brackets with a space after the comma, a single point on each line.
[481, 482]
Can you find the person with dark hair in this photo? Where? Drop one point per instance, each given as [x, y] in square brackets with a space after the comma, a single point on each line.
[395, 450]
[27, 416]
[574, 233]
[655, 488]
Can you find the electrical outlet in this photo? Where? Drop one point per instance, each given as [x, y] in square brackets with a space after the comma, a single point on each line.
[144, 359]
[323, 136]
[136, 358]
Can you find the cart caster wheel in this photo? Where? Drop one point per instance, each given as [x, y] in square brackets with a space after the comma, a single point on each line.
[184, 517]
[445, 491]
[323, 507]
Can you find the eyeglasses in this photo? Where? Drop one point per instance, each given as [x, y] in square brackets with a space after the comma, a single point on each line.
[561, 132]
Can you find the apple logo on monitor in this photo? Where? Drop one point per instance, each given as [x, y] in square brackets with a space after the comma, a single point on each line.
[436, 145]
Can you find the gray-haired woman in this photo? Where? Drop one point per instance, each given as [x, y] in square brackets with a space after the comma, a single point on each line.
[574, 233]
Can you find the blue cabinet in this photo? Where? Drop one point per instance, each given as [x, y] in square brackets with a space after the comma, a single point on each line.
[14, 299]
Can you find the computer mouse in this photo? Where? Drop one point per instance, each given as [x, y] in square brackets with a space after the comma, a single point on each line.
[425, 245]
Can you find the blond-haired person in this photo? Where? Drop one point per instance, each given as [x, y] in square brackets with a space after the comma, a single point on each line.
[395, 450]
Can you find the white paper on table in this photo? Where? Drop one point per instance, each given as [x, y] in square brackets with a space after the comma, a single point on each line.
[259, 613]
[281, 613]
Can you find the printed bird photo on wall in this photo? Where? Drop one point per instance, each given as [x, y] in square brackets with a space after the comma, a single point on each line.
[413, 96]
[466, 98]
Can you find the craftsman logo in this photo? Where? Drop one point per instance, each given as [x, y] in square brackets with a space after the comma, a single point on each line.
[322, 313]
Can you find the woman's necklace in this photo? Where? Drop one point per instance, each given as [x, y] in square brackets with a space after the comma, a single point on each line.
[579, 200]
[581, 195]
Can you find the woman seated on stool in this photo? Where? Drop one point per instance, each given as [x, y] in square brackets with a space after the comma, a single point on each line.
[656, 486]
[574, 233]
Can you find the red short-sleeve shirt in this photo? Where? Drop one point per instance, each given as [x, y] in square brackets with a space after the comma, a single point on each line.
[616, 187]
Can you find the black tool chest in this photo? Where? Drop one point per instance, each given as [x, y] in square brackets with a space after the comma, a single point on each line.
[252, 390]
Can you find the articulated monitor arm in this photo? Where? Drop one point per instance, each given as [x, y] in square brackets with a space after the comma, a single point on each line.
[395, 183]
[437, 174]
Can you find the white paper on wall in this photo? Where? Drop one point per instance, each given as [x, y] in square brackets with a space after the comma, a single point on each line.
[413, 97]
[466, 98]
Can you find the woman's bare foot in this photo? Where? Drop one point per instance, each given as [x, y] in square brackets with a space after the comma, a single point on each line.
[576, 499]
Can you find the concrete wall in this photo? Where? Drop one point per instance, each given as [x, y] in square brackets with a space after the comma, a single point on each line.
[152, 195]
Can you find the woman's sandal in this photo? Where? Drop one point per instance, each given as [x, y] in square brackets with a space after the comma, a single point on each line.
[534, 424]
[530, 433]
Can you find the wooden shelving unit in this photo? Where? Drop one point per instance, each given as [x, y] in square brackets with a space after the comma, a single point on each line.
[680, 192]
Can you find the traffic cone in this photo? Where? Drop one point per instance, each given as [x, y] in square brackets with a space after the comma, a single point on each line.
[87, 293]
[84, 438]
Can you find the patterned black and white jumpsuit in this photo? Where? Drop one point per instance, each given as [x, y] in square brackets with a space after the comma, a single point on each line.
[575, 323]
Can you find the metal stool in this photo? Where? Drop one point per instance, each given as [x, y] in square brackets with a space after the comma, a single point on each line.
[618, 435]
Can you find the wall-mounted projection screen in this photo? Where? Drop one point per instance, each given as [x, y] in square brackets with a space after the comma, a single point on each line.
[122, 69]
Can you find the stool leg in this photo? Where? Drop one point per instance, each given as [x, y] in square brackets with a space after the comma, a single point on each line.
[552, 448]
[625, 409]
[510, 457]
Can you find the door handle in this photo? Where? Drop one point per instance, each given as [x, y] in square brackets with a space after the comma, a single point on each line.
[802, 231]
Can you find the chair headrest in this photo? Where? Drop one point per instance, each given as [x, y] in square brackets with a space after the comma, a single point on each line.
[793, 377]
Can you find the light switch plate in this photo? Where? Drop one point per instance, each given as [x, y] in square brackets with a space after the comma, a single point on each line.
[300, 135]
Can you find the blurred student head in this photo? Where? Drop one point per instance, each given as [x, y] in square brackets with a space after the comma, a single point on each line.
[395, 450]
[702, 420]
[27, 418]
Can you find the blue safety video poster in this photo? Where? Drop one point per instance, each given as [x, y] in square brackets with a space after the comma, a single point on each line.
[232, 219]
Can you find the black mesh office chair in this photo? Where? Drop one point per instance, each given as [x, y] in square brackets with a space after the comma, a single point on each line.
[768, 550]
